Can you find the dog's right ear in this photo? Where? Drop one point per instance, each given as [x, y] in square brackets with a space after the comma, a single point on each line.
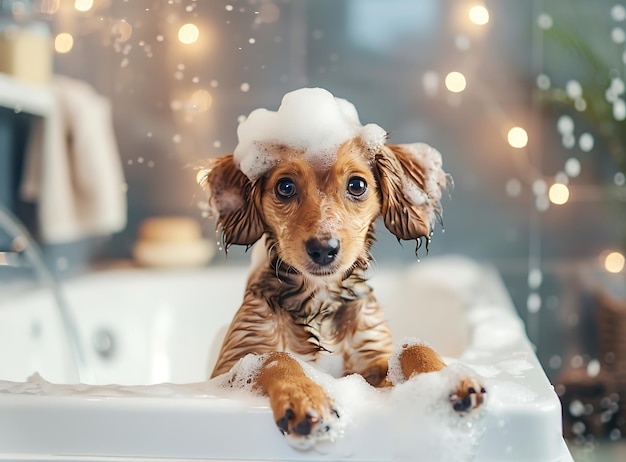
[234, 201]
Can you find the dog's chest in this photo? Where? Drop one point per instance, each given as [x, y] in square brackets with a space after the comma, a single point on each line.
[326, 326]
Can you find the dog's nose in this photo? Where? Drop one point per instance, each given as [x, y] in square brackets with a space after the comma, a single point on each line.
[322, 251]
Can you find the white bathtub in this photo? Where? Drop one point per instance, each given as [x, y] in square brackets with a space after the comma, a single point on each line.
[141, 328]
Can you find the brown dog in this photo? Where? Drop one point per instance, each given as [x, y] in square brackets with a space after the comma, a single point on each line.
[308, 298]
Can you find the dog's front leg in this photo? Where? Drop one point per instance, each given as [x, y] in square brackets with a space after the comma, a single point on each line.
[418, 358]
[301, 408]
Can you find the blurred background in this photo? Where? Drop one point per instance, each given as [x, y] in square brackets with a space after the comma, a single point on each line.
[525, 100]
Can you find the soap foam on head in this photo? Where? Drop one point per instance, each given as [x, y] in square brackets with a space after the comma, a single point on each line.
[310, 121]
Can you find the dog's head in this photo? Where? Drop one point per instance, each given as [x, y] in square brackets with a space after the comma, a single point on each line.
[318, 213]
[319, 217]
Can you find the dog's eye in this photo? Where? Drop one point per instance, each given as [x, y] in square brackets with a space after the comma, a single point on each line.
[356, 186]
[285, 188]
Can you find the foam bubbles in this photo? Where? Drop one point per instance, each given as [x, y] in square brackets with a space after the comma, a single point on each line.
[310, 121]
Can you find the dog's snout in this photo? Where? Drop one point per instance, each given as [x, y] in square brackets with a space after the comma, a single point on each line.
[322, 251]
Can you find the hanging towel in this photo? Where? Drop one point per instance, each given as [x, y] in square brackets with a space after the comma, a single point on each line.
[73, 169]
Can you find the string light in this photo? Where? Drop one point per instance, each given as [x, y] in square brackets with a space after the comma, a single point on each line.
[479, 15]
[455, 82]
[83, 5]
[188, 33]
[517, 137]
[63, 42]
[614, 262]
[558, 194]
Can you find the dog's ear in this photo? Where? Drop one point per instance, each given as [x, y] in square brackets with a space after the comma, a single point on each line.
[234, 201]
[411, 182]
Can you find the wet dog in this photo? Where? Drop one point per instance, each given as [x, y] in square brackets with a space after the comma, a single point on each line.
[307, 296]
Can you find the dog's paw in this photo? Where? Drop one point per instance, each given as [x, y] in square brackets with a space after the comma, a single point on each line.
[305, 414]
[469, 395]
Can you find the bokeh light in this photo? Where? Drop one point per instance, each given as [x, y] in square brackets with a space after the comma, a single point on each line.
[558, 194]
[614, 262]
[517, 137]
[455, 82]
[188, 33]
[479, 15]
[83, 5]
[63, 42]
[201, 100]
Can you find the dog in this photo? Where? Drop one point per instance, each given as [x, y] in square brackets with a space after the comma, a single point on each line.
[307, 297]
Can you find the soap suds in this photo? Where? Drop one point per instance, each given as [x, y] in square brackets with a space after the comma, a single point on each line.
[310, 121]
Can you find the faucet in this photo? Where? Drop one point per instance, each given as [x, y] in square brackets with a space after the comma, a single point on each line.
[23, 252]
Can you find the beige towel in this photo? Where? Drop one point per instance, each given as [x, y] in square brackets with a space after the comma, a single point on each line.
[73, 169]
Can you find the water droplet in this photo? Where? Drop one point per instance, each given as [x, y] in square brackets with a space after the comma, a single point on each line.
[251, 40]
[318, 34]
[176, 138]
[217, 144]
[241, 118]
[619, 179]
[615, 434]
[149, 134]
[159, 38]
[229, 8]
[213, 83]
[245, 87]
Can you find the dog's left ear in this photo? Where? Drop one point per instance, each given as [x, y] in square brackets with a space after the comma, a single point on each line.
[233, 200]
[411, 181]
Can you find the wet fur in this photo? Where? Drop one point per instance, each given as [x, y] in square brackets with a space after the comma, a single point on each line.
[293, 305]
